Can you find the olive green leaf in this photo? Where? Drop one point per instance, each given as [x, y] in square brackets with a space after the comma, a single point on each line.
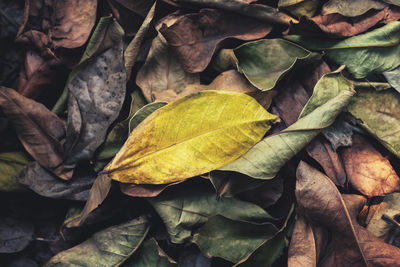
[148, 255]
[300, 8]
[11, 163]
[143, 113]
[185, 208]
[265, 62]
[232, 240]
[331, 94]
[109, 247]
[380, 115]
[352, 8]
[393, 77]
[377, 51]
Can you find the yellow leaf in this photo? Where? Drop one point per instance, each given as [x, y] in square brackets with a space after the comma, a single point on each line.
[189, 137]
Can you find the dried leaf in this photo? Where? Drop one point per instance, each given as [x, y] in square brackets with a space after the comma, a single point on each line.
[368, 171]
[109, 247]
[96, 92]
[184, 210]
[232, 240]
[265, 62]
[148, 255]
[46, 184]
[351, 8]
[300, 8]
[197, 140]
[11, 163]
[37, 128]
[162, 72]
[382, 46]
[15, 235]
[379, 112]
[390, 207]
[195, 37]
[265, 159]
[61, 23]
[143, 113]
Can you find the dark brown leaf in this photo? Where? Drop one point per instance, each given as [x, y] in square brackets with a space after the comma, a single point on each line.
[367, 170]
[38, 129]
[338, 26]
[195, 37]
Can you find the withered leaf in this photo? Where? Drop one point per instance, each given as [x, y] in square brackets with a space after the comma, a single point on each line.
[367, 170]
[393, 77]
[96, 91]
[11, 163]
[351, 8]
[300, 8]
[195, 37]
[15, 235]
[46, 184]
[38, 129]
[351, 245]
[62, 23]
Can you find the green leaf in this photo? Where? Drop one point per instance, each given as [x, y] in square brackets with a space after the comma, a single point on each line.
[109, 247]
[377, 51]
[11, 163]
[191, 136]
[351, 8]
[393, 77]
[265, 62]
[331, 94]
[143, 113]
[232, 240]
[380, 115]
[186, 207]
[300, 8]
[148, 255]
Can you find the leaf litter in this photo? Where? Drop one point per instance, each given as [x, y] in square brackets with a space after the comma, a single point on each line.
[200, 133]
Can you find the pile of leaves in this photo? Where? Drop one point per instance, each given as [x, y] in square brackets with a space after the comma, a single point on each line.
[200, 133]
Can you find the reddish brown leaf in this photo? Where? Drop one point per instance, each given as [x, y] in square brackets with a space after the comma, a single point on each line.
[351, 245]
[53, 24]
[321, 150]
[144, 190]
[367, 170]
[338, 26]
[38, 129]
[195, 37]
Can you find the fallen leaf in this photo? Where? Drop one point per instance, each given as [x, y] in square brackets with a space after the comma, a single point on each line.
[60, 23]
[258, 11]
[382, 46]
[143, 113]
[393, 78]
[144, 190]
[148, 255]
[339, 134]
[140, 7]
[110, 247]
[321, 150]
[15, 235]
[46, 184]
[351, 8]
[232, 240]
[132, 50]
[96, 91]
[162, 72]
[195, 37]
[197, 140]
[11, 163]
[266, 61]
[380, 115]
[184, 210]
[320, 201]
[37, 128]
[338, 26]
[300, 8]
[367, 170]
[390, 207]
[266, 158]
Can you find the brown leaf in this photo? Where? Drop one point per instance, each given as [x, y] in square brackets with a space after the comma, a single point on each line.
[144, 190]
[367, 170]
[321, 150]
[195, 37]
[37, 74]
[351, 245]
[338, 26]
[38, 129]
[53, 24]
